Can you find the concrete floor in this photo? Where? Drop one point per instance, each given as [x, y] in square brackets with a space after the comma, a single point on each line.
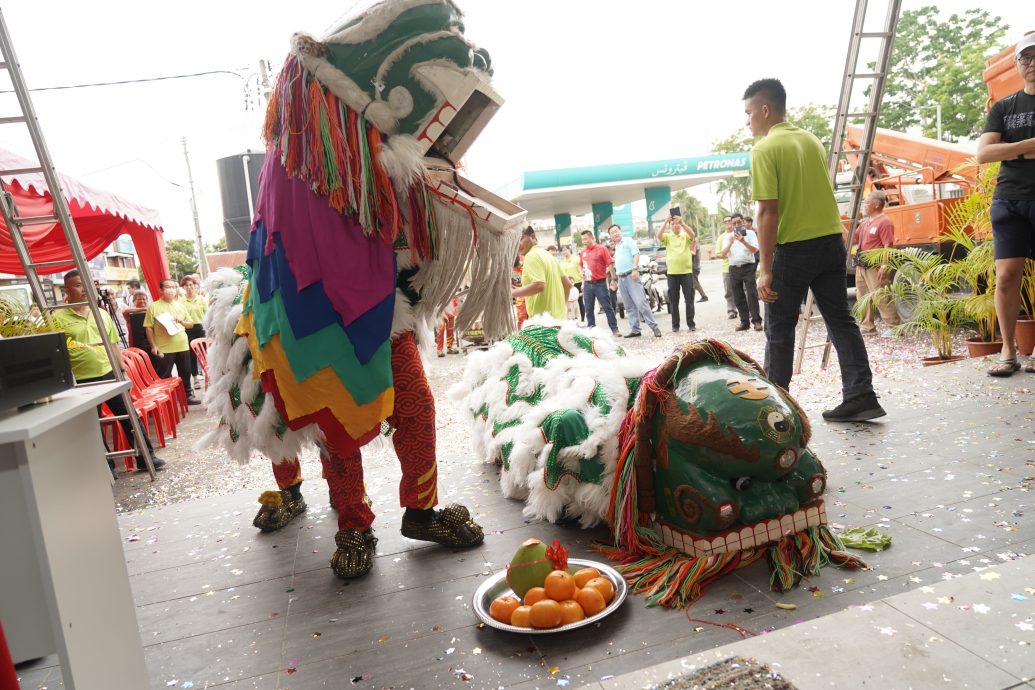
[948, 474]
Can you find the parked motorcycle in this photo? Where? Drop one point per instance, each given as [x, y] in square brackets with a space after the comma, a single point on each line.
[655, 285]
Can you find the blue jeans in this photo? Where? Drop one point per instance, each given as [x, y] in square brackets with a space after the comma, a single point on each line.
[817, 264]
[635, 300]
[593, 290]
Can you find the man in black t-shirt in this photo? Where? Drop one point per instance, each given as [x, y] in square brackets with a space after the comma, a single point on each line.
[1009, 136]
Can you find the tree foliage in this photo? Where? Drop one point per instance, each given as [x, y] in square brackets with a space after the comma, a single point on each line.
[217, 246]
[183, 257]
[735, 192]
[938, 61]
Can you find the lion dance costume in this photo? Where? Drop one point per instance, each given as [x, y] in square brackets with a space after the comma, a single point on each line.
[700, 466]
[363, 232]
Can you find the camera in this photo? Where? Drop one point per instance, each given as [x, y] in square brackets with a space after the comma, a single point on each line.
[675, 212]
[741, 231]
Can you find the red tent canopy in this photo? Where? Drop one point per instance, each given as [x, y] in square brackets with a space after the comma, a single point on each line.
[100, 218]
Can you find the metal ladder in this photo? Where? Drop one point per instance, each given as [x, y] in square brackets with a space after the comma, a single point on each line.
[869, 117]
[15, 222]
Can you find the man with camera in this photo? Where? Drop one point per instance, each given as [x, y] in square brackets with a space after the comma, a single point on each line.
[873, 233]
[740, 247]
[680, 248]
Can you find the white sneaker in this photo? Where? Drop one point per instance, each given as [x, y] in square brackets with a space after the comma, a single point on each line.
[887, 333]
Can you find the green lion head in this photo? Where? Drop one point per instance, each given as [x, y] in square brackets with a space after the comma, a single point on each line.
[406, 66]
[730, 455]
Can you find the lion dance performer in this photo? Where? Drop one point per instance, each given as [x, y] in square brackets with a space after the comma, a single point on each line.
[363, 232]
[700, 466]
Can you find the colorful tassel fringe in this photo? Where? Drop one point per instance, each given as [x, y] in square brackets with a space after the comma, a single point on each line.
[667, 576]
[334, 149]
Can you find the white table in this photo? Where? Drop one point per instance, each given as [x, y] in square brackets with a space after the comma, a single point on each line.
[64, 587]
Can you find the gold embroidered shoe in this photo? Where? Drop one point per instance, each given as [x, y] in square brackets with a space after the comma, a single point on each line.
[278, 509]
[452, 526]
[355, 555]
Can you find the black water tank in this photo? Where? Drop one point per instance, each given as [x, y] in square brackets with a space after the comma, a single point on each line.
[237, 218]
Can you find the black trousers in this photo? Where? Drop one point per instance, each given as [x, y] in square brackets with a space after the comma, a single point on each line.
[164, 365]
[681, 282]
[118, 409]
[193, 333]
[582, 303]
[745, 293]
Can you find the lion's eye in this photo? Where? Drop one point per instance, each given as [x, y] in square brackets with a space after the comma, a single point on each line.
[742, 483]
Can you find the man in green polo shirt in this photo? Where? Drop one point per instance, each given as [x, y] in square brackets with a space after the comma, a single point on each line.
[88, 358]
[544, 288]
[680, 243]
[799, 233]
[168, 336]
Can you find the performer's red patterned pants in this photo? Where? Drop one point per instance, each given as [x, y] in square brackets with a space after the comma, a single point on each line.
[414, 439]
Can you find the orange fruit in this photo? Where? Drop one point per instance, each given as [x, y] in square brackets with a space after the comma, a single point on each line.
[604, 585]
[546, 614]
[522, 617]
[559, 585]
[591, 600]
[502, 608]
[571, 612]
[533, 595]
[585, 575]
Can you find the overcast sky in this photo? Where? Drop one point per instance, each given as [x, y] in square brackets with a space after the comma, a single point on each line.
[585, 82]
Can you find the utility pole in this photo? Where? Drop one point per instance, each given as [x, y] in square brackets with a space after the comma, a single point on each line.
[202, 261]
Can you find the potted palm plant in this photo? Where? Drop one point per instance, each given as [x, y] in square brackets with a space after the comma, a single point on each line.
[933, 289]
[972, 259]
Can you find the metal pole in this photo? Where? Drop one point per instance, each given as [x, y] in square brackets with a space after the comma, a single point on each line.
[202, 261]
[938, 118]
[246, 160]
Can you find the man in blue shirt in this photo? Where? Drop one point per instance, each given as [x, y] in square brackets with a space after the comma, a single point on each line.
[629, 286]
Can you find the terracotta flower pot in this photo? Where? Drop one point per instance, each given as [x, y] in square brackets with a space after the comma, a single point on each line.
[931, 361]
[1025, 336]
[980, 348]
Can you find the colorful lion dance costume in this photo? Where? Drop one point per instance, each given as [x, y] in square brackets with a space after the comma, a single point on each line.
[700, 466]
[363, 232]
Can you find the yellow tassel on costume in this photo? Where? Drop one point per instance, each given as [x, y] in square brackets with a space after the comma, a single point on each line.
[271, 499]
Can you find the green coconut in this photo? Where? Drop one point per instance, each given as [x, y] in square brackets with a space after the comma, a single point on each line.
[529, 567]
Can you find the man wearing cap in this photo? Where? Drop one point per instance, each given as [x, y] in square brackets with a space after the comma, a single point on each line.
[875, 232]
[544, 288]
[799, 234]
[627, 255]
[1009, 136]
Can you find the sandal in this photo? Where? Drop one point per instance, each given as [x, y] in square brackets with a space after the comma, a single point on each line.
[1030, 366]
[1004, 368]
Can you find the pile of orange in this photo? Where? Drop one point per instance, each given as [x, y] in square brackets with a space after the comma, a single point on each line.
[564, 598]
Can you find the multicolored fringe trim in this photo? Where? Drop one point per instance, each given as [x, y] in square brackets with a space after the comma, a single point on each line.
[667, 576]
[338, 153]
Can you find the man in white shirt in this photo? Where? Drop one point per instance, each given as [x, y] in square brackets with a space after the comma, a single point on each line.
[740, 248]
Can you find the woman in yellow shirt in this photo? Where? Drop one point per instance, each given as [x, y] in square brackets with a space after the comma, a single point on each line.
[195, 304]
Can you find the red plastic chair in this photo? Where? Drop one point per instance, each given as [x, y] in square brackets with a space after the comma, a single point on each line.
[199, 347]
[148, 411]
[161, 396]
[150, 378]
